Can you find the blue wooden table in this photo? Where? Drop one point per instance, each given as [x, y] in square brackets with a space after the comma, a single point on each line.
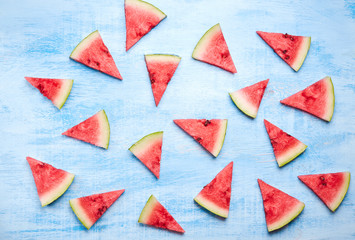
[36, 38]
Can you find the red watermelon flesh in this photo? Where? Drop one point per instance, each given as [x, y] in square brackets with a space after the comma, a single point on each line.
[209, 133]
[155, 214]
[51, 182]
[92, 52]
[280, 208]
[161, 69]
[141, 17]
[94, 130]
[56, 90]
[286, 148]
[148, 151]
[317, 99]
[216, 195]
[90, 208]
[292, 49]
[212, 48]
[248, 99]
[331, 188]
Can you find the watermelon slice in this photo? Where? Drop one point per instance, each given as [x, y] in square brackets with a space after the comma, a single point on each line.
[331, 188]
[90, 208]
[155, 214]
[286, 148]
[216, 195]
[141, 17]
[280, 208]
[292, 49]
[56, 90]
[212, 48]
[51, 182]
[209, 133]
[161, 68]
[148, 151]
[94, 130]
[248, 99]
[92, 52]
[317, 99]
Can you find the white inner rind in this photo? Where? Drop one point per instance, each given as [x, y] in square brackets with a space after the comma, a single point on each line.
[291, 154]
[162, 58]
[211, 206]
[55, 193]
[302, 53]
[142, 145]
[204, 41]
[341, 194]
[80, 213]
[220, 139]
[147, 210]
[287, 218]
[63, 93]
[104, 129]
[147, 6]
[331, 100]
[86, 42]
[243, 104]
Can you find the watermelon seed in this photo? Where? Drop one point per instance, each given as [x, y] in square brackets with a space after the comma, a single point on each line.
[287, 57]
[206, 123]
[285, 35]
[322, 178]
[284, 51]
[198, 139]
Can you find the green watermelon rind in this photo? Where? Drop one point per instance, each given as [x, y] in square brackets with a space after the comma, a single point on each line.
[106, 128]
[292, 154]
[302, 54]
[222, 135]
[147, 210]
[342, 194]
[58, 191]
[243, 106]
[144, 143]
[84, 44]
[79, 212]
[332, 104]
[64, 94]
[210, 206]
[200, 46]
[147, 6]
[287, 219]
[168, 57]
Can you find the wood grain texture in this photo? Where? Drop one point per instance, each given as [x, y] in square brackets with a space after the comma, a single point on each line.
[36, 38]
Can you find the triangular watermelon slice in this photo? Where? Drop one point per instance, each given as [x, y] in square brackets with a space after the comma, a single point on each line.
[212, 48]
[90, 208]
[161, 68]
[216, 195]
[51, 182]
[209, 133]
[331, 188]
[92, 52]
[292, 49]
[317, 99]
[94, 130]
[155, 214]
[56, 90]
[148, 151]
[141, 17]
[286, 148]
[280, 208]
[248, 99]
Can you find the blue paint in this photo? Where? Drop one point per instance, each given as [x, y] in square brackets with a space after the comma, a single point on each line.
[36, 38]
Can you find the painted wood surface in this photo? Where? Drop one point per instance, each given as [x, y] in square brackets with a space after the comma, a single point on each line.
[36, 38]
